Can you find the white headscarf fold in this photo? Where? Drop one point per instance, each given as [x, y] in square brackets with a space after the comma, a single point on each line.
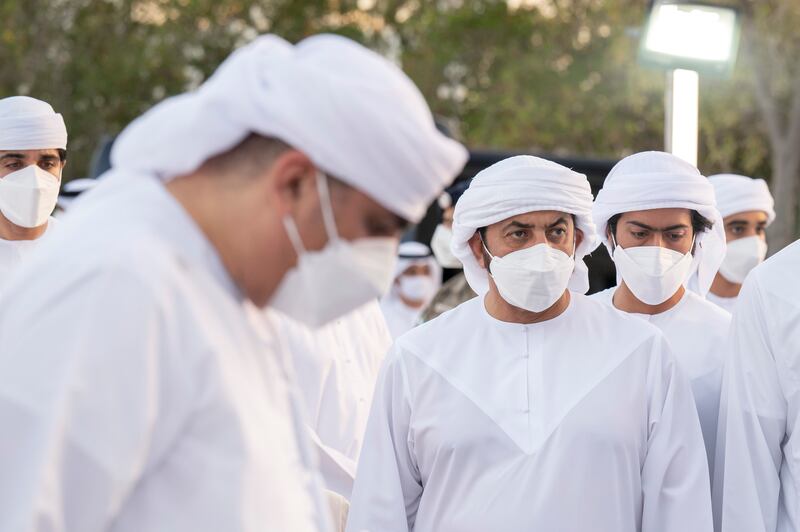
[658, 180]
[519, 185]
[30, 124]
[737, 193]
[354, 113]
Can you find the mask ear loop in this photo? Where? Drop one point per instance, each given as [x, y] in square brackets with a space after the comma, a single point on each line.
[326, 206]
[293, 234]
[488, 266]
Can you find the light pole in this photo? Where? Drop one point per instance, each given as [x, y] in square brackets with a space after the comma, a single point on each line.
[686, 38]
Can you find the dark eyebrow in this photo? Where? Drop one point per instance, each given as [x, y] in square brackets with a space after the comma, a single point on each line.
[639, 224]
[49, 157]
[737, 222]
[560, 221]
[12, 156]
[670, 228]
[520, 225]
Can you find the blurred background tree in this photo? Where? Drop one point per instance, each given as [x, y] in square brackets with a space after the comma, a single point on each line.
[544, 76]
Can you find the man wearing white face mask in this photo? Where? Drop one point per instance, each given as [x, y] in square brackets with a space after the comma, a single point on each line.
[33, 152]
[530, 407]
[137, 381]
[417, 278]
[747, 209]
[658, 218]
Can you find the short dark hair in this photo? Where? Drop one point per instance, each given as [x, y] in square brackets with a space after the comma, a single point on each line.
[254, 152]
[700, 223]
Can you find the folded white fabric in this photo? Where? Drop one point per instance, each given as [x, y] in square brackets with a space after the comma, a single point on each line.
[30, 124]
[354, 113]
[738, 193]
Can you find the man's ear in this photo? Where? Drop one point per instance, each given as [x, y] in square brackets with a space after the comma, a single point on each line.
[476, 246]
[291, 175]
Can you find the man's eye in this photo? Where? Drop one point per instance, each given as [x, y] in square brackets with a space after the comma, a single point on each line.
[759, 230]
[737, 230]
[639, 234]
[46, 165]
[558, 232]
[13, 165]
[675, 236]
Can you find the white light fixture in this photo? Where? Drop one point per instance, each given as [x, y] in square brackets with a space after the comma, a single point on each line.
[686, 38]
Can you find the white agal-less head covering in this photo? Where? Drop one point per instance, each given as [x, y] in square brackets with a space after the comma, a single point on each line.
[354, 113]
[658, 180]
[737, 193]
[30, 124]
[519, 185]
[410, 253]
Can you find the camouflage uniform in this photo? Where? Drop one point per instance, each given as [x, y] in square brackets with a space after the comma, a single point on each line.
[452, 293]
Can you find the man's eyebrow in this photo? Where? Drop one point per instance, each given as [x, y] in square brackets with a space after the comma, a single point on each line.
[515, 223]
[561, 221]
[670, 228]
[12, 156]
[738, 222]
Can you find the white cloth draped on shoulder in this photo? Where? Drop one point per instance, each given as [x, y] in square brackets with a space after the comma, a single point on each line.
[756, 481]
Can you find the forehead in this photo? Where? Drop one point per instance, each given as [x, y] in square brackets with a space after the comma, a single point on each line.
[535, 219]
[31, 154]
[747, 217]
[658, 217]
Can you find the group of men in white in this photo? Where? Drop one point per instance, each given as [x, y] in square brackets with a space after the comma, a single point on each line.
[199, 344]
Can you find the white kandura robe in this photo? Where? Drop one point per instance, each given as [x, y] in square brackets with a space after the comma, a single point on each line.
[580, 423]
[13, 252]
[336, 367]
[399, 317]
[725, 303]
[696, 331]
[758, 452]
[134, 393]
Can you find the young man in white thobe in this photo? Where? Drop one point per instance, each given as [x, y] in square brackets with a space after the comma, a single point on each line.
[657, 216]
[758, 471]
[747, 209]
[530, 407]
[133, 377]
[33, 153]
[417, 279]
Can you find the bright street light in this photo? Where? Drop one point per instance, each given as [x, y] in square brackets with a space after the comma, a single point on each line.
[686, 38]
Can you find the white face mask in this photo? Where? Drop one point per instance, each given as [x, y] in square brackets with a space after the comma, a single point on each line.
[28, 196]
[742, 255]
[417, 287]
[339, 278]
[652, 273]
[532, 278]
[440, 245]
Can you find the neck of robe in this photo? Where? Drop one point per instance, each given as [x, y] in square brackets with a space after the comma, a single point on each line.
[626, 301]
[11, 231]
[724, 288]
[502, 310]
